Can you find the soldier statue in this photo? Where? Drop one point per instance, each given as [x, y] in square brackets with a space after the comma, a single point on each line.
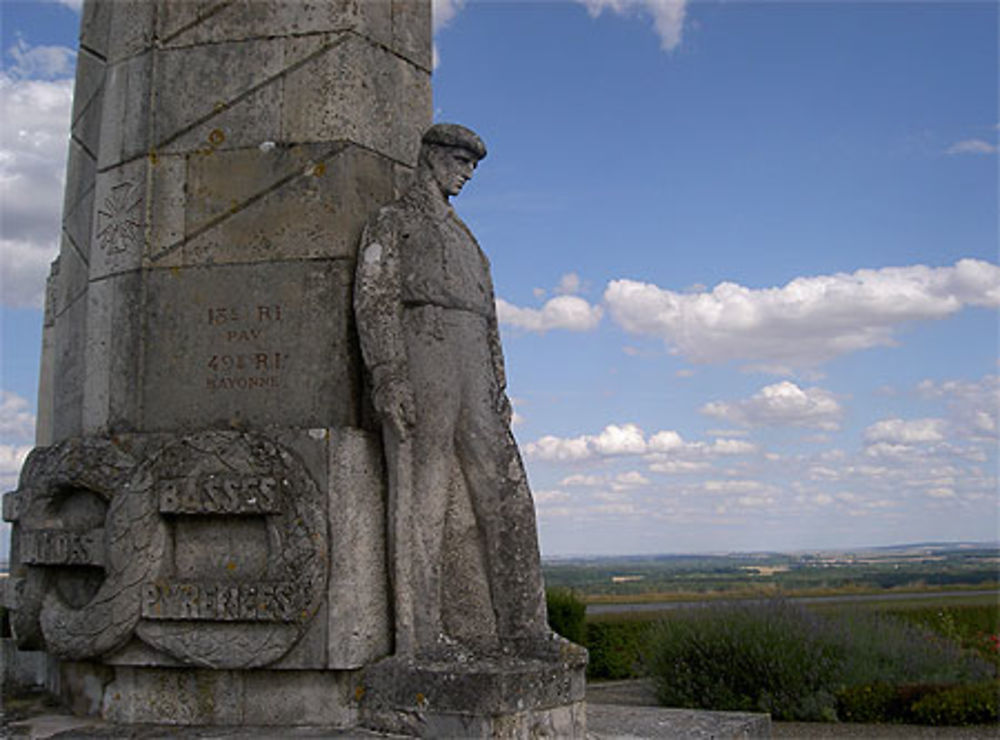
[463, 546]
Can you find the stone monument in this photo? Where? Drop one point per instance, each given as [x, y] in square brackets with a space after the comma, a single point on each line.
[200, 535]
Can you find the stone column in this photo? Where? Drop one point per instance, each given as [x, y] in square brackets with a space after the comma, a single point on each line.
[207, 496]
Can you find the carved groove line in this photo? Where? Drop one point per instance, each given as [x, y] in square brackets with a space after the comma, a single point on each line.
[199, 20]
[278, 76]
[244, 205]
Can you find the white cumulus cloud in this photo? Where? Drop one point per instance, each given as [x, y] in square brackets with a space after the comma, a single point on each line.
[667, 15]
[808, 321]
[442, 13]
[33, 145]
[568, 312]
[17, 422]
[617, 440]
[782, 404]
[974, 406]
[11, 459]
[906, 431]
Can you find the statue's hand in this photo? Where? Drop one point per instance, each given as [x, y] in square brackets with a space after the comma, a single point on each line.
[394, 404]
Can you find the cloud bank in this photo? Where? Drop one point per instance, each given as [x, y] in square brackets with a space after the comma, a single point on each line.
[629, 439]
[808, 321]
[33, 144]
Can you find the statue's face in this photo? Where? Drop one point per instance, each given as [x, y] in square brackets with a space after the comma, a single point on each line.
[451, 167]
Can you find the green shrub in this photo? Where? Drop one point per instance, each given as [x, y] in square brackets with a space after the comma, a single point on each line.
[973, 626]
[763, 657]
[567, 613]
[779, 658]
[879, 647]
[870, 702]
[969, 704]
[616, 648]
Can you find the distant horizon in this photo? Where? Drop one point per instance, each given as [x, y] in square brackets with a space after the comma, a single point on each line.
[958, 544]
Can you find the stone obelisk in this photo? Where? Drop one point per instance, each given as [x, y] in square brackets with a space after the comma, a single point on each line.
[199, 536]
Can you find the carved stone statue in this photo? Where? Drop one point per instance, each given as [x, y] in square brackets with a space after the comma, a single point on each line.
[462, 537]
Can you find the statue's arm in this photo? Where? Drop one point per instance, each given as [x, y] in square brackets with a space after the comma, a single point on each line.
[502, 402]
[378, 308]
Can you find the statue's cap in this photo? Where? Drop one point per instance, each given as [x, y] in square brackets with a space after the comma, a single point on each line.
[451, 134]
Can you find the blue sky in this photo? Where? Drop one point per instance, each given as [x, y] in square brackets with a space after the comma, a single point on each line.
[746, 257]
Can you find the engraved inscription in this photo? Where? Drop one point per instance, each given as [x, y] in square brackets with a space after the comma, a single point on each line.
[221, 494]
[225, 602]
[247, 359]
[60, 547]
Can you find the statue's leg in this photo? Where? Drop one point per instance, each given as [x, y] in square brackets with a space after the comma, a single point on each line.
[501, 500]
[433, 378]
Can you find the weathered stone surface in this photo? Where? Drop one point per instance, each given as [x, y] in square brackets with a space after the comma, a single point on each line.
[20, 668]
[567, 721]
[205, 21]
[132, 28]
[112, 358]
[269, 203]
[119, 224]
[350, 89]
[462, 538]
[614, 721]
[88, 537]
[81, 685]
[174, 697]
[499, 697]
[199, 108]
[125, 119]
[250, 551]
[203, 697]
[95, 25]
[411, 31]
[87, 91]
[69, 277]
[359, 627]
[294, 698]
[69, 338]
[250, 345]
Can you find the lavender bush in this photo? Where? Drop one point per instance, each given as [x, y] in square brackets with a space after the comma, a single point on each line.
[780, 658]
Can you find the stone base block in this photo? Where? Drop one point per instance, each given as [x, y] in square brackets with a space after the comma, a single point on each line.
[182, 696]
[21, 669]
[499, 698]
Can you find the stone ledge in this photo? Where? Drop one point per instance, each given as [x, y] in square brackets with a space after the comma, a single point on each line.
[606, 721]
[504, 697]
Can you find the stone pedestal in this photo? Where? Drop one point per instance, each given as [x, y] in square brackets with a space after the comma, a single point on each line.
[499, 697]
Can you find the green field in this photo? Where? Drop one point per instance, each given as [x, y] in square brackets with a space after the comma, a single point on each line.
[913, 568]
